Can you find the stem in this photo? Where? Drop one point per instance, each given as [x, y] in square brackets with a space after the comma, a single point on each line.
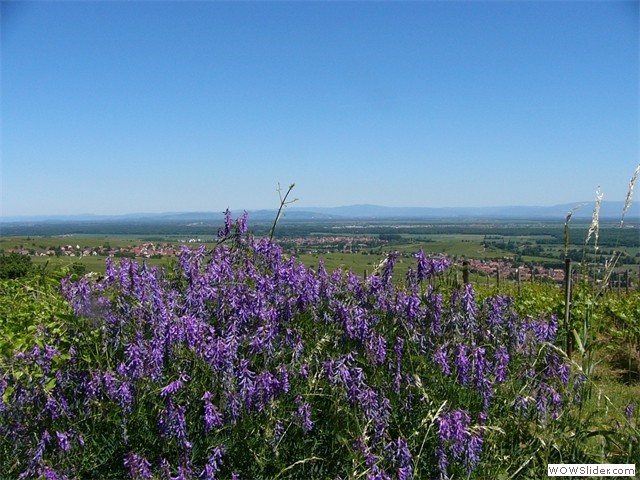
[283, 203]
[567, 307]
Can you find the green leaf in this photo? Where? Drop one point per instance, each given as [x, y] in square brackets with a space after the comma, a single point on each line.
[7, 393]
[50, 385]
[578, 342]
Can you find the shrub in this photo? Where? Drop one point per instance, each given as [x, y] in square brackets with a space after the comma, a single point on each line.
[14, 265]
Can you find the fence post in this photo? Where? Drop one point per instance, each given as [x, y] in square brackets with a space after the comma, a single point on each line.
[567, 306]
[465, 272]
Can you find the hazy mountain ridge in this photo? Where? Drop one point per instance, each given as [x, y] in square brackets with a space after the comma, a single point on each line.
[610, 210]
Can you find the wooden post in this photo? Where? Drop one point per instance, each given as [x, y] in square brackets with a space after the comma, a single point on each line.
[567, 307]
[518, 278]
[498, 277]
[465, 272]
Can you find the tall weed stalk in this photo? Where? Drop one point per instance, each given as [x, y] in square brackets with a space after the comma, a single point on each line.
[583, 326]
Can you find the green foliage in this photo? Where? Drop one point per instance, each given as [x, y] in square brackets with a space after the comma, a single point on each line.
[14, 265]
[538, 298]
[622, 312]
[29, 307]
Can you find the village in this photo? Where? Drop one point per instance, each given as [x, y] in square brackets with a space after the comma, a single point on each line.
[503, 268]
[144, 250]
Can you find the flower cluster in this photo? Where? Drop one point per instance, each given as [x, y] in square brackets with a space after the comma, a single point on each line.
[457, 441]
[240, 352]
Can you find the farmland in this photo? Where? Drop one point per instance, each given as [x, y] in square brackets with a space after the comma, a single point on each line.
[535, 249]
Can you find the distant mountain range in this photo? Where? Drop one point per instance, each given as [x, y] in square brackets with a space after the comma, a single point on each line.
[610, 210]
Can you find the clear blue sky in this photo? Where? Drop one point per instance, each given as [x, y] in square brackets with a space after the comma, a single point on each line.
[119, 107]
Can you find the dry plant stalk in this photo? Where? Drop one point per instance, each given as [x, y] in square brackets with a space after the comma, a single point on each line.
[595, 221]
[566, 227]
[627, 201]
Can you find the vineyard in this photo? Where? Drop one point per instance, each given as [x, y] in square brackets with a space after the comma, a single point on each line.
[240, 362]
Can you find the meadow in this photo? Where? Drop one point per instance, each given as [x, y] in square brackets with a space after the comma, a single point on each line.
[237, 360]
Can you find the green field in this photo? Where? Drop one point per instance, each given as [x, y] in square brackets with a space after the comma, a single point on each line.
[518, 244]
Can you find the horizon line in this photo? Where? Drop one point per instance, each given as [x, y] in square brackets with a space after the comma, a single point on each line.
[34, 216]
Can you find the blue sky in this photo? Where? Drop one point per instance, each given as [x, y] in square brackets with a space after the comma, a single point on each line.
[120, 107]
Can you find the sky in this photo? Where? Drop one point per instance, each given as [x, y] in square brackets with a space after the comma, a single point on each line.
[121, 107]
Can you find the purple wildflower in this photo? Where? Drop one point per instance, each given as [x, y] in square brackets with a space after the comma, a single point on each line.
[476, 441]
[501, 358]
[138, 466]
[388, 267]
[361, 446]
[545, 330]
[453, 429]
[172, 423]
[212, 416]
[397, 380]
[628, 410]
[405, 473]
[376, 348]
[469, 306]
[135, 362]
[428, 266]
[241, 222]
[442, 460]
[555, 367]
[463, 365]
[440, 357]
[224, 233]
[278, 433]
[457, 440]
[125, 395]
[548, 401]
[480, 366]
[51, 474]
[400, 456]
[234, 404]
[213, 464]
[42, 445]
[434, 301]
[628, 413]
[52, 407]
[304, 370]
[110, 384]
[304, 414]
[63, 441]
[283, 378]
[267, 386]
[246, 382]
